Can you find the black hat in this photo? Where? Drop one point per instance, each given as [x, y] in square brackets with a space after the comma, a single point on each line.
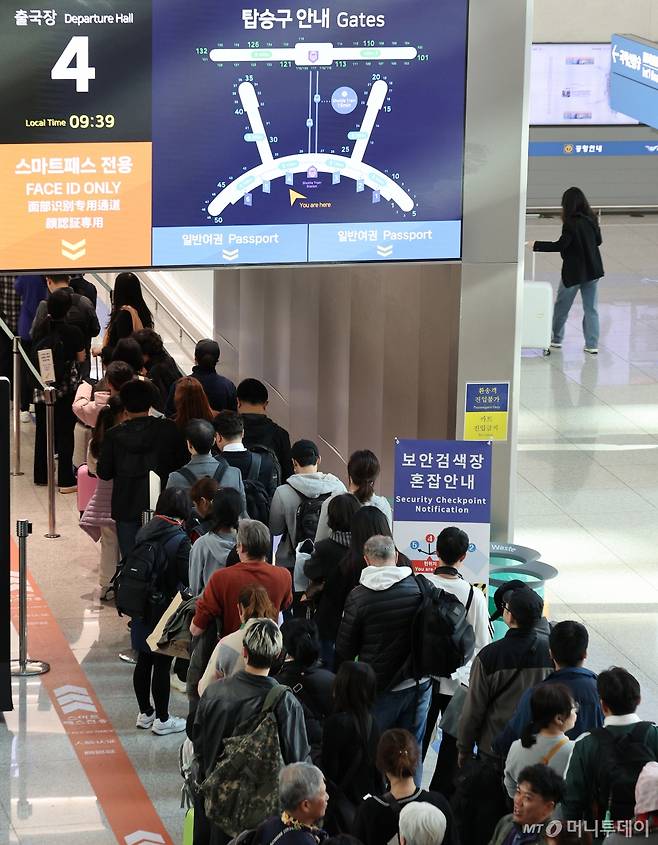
[305, 452]
[500, 594]
[525, 605]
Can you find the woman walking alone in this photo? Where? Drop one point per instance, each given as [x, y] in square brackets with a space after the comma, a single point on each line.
[582, 267]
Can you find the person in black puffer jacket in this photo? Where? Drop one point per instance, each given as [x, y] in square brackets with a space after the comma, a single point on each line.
[376, 627]
[303, 673]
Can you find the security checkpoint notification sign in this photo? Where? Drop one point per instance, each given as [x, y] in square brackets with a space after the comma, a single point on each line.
[442, 483]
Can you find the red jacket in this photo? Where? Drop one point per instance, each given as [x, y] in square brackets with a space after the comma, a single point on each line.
[220, 595]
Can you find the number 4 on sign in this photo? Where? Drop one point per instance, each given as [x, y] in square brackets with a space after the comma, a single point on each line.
[77, 50]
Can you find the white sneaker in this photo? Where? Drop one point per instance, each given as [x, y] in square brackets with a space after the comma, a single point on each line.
[173, 725]
[592, 350]
[26, 416]
[145, 722]
[177, 684]
[556, 344]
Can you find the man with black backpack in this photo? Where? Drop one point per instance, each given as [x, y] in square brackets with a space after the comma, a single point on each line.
[296, 505]
[81, 314]
[200, 436]
[377, 628]
[605, 764]
[259, 467]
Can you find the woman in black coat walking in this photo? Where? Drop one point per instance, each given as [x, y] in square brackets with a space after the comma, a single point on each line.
[582, 267]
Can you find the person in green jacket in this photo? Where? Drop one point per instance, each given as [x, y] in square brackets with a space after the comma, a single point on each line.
[539, 790]
[588, 776]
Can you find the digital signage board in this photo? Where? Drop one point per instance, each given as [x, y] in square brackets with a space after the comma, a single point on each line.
[570, 86]
[210, 132]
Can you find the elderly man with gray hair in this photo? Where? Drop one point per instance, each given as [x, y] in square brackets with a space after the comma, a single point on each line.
[303, 799]
[422, 824]
[376, 628]
[219, 598]
[228, 703]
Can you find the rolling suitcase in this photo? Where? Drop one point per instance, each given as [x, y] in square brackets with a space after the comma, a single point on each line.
[537, 316]
[86, 487]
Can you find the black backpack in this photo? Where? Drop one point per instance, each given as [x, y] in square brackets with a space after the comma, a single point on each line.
[259, 449]
[192, 479]
[138, 583]
[620, 759]
[75, 316]
[307, 516]
[258, 500]
[442, 638]
[67, 377]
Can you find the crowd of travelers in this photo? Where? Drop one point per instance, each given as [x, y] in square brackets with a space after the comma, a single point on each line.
[320, 670]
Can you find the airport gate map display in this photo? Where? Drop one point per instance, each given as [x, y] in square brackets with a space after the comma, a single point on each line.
[220, 132]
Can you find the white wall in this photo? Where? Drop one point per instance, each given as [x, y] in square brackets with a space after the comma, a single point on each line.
[191, 292]
[594, 20]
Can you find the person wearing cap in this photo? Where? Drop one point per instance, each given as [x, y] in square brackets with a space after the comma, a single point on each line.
[307, 482]
[502, 671]
[588, 774]
[219, 389]
[645, 823]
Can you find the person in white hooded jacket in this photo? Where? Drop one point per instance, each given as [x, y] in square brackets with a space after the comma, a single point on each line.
[306, 482]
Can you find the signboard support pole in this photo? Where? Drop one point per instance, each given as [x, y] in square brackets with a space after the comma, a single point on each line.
[16, 353]
[50, 452]
[25, 668]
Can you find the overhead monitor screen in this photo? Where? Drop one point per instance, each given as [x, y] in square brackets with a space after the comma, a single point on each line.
[570, 86]
[209, 132]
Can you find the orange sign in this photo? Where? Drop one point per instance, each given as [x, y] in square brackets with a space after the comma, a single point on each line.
[69, 206]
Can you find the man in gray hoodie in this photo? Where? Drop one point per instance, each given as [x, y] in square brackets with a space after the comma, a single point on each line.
[306, 483]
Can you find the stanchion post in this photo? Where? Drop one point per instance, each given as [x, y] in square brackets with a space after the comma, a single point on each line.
[16, 351]
[50, 397]
[25, 668]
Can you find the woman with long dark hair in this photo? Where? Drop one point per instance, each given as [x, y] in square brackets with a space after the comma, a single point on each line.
[367, 522]
[544, 739]
[349, 745]
[582, 267]
[129, 311]
[363, 470]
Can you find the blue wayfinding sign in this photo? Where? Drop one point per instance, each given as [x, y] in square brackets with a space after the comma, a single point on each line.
[578, 149]
[634, 78]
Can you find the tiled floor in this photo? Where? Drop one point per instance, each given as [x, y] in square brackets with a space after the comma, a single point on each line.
[587, 492]
[587, 496]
